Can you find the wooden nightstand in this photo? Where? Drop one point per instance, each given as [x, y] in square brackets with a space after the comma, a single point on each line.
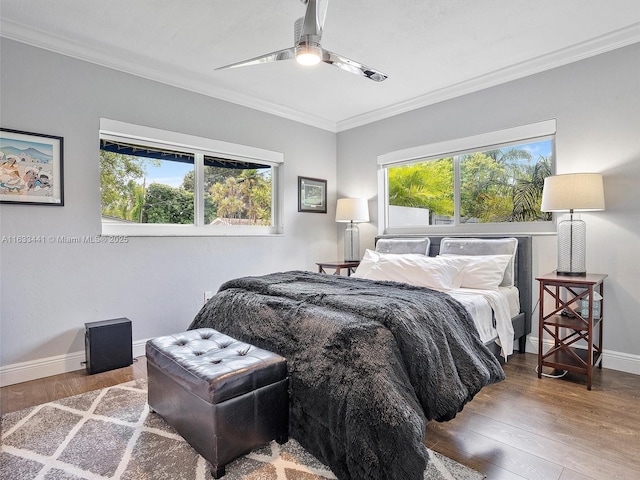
[338, 266]
[567, 323]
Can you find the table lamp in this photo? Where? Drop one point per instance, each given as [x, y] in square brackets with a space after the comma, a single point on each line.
[352, 210]
[573, 192]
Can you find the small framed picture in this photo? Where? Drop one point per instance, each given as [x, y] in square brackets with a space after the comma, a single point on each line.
[30, 168]
[312, 195]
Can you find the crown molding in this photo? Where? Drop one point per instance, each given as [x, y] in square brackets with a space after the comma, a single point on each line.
[163, 73]
[596, 46]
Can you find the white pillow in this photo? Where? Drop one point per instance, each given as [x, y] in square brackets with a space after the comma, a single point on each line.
[484, 246]
[368, 261]
[414, 269]
[484, 272]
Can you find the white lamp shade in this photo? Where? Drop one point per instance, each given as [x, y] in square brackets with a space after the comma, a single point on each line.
[352, 210]
[573, 192]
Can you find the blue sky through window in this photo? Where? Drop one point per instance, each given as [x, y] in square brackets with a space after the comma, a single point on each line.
[536, 149]
[168, 173]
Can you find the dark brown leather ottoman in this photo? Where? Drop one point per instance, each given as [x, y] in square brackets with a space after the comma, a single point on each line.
[223, 396]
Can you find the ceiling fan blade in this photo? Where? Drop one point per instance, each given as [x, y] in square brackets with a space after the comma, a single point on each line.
[286, 54]
[344, 63]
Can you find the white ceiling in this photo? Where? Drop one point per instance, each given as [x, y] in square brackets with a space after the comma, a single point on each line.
[431, 49]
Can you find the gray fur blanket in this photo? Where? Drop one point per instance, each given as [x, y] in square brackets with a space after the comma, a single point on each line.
[369, 363]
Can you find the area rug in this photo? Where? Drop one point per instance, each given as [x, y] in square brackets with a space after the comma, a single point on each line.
[110, 434]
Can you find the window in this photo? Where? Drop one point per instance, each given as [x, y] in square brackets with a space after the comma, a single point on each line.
[154, 182]
[490, 182]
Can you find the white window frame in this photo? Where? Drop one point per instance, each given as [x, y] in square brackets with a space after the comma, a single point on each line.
[525, 133]
[200, 146]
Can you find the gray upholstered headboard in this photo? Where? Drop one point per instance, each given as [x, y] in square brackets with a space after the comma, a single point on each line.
[522, 269]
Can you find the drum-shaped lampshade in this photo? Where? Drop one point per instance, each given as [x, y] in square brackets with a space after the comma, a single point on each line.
[352, 210]
[579, 192]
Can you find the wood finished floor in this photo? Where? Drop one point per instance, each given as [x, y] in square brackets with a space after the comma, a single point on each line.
[522, 428]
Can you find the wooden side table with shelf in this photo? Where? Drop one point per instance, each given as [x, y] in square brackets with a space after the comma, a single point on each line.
[568, 322]
[338, 266]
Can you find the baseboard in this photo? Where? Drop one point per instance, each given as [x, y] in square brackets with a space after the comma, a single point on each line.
[46, 367]
[623, 362]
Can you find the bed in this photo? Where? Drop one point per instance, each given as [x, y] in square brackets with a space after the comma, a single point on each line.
[370, 361]
[518, 275]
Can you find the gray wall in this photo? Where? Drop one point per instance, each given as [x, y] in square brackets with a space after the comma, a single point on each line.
[48, 291]
[597, 106]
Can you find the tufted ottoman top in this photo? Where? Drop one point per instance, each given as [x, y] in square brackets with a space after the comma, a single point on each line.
[214, 366]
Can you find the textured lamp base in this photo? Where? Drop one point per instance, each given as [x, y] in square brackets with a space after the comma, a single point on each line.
[572, 247]
[351, 243]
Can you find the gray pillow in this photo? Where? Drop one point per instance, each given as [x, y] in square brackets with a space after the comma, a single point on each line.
[403, 245]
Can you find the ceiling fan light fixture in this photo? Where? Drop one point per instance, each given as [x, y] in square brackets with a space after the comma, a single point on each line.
[306, 49]
[308, 54]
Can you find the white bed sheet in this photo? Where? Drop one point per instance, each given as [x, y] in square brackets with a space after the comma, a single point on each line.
[484, 305]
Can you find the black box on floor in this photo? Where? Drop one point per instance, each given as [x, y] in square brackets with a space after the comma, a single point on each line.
[108, 345]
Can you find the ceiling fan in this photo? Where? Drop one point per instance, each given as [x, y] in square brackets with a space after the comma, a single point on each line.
[307, 49]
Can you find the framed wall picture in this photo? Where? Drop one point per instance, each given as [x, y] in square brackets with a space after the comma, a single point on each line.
[312, 195]
[30, 168]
